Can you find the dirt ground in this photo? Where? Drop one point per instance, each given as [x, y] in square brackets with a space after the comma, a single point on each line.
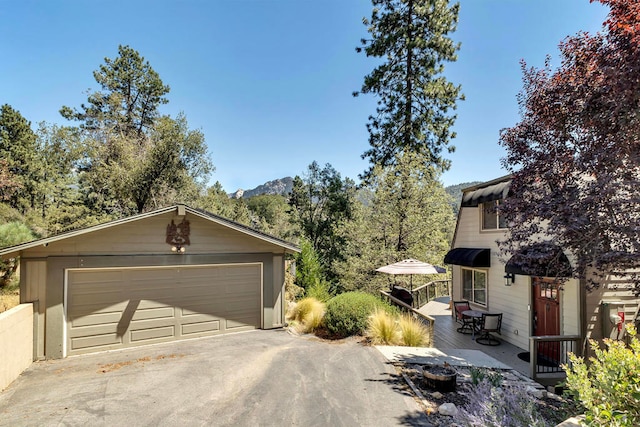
[9, 299]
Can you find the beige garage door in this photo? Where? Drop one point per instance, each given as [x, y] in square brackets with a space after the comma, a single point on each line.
[121, 307]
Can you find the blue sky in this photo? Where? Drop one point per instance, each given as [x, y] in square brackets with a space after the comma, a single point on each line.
[269, 82]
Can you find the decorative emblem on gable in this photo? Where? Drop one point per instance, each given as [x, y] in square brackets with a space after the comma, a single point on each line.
[178, 235]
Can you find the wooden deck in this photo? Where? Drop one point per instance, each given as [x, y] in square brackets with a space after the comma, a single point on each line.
[446, 337]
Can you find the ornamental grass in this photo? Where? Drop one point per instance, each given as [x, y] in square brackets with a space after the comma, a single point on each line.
[413, 333]
[308, 314]
[383, 328]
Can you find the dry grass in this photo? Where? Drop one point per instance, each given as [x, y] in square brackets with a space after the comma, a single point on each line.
[308, 314]
[9, 298]
[403, 330]
[383, 328]
[413, 333]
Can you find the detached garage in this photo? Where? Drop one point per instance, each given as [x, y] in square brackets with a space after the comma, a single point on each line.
[171, 274]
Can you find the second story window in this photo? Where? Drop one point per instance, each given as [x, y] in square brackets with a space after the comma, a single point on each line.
[491, 218]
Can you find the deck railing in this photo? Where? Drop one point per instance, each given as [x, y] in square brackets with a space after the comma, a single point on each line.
[548, 353]
[432, 290]
[426, 320]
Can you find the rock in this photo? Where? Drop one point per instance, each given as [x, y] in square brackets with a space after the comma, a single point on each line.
[572, 422]
[535, 392]
[436, 395]
[448, 409]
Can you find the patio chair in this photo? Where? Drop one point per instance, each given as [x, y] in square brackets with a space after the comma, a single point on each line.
[465, 321]
[489, 323]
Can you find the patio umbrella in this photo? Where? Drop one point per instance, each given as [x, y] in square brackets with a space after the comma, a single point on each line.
[411, 267]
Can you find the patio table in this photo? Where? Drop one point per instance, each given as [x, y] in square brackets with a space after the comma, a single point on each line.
[473, 314]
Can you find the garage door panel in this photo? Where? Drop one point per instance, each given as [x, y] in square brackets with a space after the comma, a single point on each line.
[195, 317]
[147, 274]
[152, 304]
[240, 289]
[151, 323]
[200, 309]
[152, 293]
[97, 329]
[152, 333]
[154, 313]
[237, 323]
[96, 319]
[200, 327]
[100, 298]
[159, 304]
[95, 342]
[99, 277]
[94, 309]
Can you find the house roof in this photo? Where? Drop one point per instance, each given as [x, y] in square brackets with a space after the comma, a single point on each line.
[486, 192]
[12, 251]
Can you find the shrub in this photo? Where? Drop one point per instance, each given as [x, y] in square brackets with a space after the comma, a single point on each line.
[348, 313]
[413, 333]
[499, 407]
[319, 290]
[609, 387]
[480, 374]
[382, 328]
[309, 313]
[308, 266]
[293, 292]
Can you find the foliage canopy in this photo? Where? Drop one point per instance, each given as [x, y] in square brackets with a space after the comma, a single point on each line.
[575, 154]
[415, 100]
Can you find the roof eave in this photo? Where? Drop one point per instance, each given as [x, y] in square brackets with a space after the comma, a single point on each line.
[13, 251]
[487, 183]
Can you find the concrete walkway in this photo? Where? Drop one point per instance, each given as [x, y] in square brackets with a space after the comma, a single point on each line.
[434, 356]
[446, 337]
[462, 360]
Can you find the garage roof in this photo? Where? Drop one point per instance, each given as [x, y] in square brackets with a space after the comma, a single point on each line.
[13, 251]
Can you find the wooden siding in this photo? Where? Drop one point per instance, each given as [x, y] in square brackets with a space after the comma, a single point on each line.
[617, 292]
[34, 276]
[147, 236]
[513, 301]
[570, 308]
[277, 319]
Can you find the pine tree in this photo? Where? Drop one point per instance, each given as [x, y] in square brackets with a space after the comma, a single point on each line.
[136, 159]
[415, 100]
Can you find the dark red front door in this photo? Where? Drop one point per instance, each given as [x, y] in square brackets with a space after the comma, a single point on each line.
[546, 315]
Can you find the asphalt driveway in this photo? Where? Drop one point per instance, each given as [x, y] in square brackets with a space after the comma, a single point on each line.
[258, 378]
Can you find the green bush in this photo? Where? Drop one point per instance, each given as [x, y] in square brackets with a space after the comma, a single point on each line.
[609, 386]
[308, 266]
[347, 314]
[319, 290]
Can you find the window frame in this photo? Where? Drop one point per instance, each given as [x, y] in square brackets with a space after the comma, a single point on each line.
[500, 223]
[473, 289]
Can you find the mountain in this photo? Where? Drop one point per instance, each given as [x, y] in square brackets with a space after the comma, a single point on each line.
[455, 191]
[277, 186]
[284, 185]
